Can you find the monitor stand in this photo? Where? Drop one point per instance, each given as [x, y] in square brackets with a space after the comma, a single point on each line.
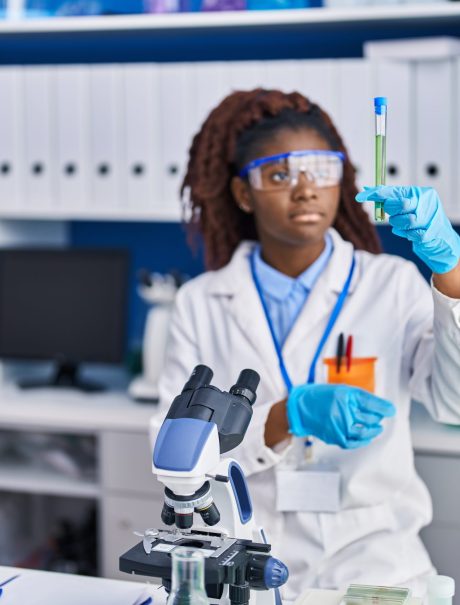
[66, 375]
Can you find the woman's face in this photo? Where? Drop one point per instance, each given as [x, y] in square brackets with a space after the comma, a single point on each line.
[299, 215]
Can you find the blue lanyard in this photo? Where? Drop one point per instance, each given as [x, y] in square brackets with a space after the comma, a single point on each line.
[332, 319]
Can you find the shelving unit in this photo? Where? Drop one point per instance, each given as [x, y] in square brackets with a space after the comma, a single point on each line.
[334, 17]
[15, 477]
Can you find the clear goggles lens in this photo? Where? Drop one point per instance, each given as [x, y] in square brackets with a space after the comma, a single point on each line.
[323, 168]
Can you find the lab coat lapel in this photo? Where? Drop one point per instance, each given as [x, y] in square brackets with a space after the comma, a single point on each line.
[322, 298]
[245, 307]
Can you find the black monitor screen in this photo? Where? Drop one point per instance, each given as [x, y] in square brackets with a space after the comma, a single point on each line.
[63, 304]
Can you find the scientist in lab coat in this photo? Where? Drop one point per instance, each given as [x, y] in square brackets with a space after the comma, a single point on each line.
[342, 336]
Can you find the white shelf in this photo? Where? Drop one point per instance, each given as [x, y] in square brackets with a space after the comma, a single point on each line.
[298, 17]
[91, 214]
[16, 477]
[68, 410]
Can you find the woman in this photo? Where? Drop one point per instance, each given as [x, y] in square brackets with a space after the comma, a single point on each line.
[294, 264]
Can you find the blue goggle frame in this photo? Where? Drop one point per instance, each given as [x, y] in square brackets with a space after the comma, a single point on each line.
[281, 156]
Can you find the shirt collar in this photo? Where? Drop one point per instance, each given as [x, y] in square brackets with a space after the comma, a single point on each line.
[277, 285]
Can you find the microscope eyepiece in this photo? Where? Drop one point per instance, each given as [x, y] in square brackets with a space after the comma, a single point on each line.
[246, 385]
[200, 377]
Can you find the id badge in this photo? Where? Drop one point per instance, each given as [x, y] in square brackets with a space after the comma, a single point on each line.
[314, 488]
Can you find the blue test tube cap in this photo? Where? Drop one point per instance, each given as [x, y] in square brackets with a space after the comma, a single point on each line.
[380, 105]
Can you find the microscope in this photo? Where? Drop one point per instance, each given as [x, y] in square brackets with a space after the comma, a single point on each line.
[202, 424]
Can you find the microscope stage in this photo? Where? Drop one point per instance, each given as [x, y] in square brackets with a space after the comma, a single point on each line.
[223, 555]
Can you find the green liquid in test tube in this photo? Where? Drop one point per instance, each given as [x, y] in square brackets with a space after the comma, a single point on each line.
[380, 107]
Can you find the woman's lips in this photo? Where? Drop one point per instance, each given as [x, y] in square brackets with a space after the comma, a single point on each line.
[306, 217]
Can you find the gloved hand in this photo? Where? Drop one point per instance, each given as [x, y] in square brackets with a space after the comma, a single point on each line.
[416, 213]
[337, 414]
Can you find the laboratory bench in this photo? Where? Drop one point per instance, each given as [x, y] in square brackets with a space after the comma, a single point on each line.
[127, 496]
[45, 588]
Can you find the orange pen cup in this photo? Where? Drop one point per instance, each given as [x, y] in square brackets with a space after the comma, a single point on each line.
[361, 373]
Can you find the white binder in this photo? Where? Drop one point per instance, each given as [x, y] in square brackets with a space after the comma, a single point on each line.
[177, 127]
[105, 128]
[393, 79]
[40, 158]
[11, 147]
[356, 115]
[245, 75]
[281, 75]
[71, 96]
[211, 83]
[435, 117]
[318, 81]
[141, 167]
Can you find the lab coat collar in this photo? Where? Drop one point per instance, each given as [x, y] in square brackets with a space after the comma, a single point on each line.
[234, 276]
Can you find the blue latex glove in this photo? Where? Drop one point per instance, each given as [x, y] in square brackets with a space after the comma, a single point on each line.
[337, 414]
[416, 213]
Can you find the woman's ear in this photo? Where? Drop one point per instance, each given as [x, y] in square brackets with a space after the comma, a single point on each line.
[240, 192]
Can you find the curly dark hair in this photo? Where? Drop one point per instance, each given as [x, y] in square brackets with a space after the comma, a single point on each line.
[230, 136]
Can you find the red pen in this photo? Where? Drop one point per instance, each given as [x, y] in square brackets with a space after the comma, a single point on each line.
[348, 351]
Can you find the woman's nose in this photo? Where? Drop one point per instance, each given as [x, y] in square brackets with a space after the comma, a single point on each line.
[304, 187]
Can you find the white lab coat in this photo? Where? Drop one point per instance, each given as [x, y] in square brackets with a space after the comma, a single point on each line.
[218, 321]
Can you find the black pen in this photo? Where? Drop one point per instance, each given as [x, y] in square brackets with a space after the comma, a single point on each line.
[339, 353]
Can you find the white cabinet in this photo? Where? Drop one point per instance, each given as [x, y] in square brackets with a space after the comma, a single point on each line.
[132, 498]
[441, 474]
[121, 517]
[119, 481]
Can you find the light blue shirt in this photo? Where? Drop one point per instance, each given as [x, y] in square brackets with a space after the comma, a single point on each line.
[285, 296]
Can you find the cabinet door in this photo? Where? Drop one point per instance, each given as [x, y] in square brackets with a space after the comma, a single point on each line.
[442, 537]
[442, 543]
[126, 462]
[121, 516]
[440, 474]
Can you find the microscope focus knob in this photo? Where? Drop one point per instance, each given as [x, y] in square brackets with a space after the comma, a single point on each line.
[266, 572]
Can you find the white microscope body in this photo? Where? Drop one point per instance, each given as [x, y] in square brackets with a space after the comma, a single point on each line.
[202, 424]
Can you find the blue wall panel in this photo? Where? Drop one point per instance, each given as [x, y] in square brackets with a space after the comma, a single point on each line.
[162, 247]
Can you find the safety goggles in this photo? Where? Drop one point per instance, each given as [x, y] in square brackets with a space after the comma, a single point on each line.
[279, 172]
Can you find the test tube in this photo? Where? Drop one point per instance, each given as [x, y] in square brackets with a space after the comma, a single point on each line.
[380, 107]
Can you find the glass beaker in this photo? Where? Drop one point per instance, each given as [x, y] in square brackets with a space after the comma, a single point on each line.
[187, 583]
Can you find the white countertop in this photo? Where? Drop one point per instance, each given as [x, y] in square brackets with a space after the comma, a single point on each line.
[34, 587]
[68, 409]
[430, 437]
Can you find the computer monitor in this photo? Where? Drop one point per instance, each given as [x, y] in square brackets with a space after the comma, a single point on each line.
[66, 305]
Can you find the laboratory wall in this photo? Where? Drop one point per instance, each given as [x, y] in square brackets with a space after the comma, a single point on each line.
[110, 141]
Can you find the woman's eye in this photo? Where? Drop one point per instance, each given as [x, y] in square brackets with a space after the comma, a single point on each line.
[280, 176]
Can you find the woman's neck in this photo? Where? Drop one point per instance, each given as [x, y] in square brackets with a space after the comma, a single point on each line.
[291, 260]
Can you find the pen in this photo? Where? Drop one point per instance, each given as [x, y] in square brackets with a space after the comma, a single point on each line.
[339, 353]
[7, 582]
[349, 351]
